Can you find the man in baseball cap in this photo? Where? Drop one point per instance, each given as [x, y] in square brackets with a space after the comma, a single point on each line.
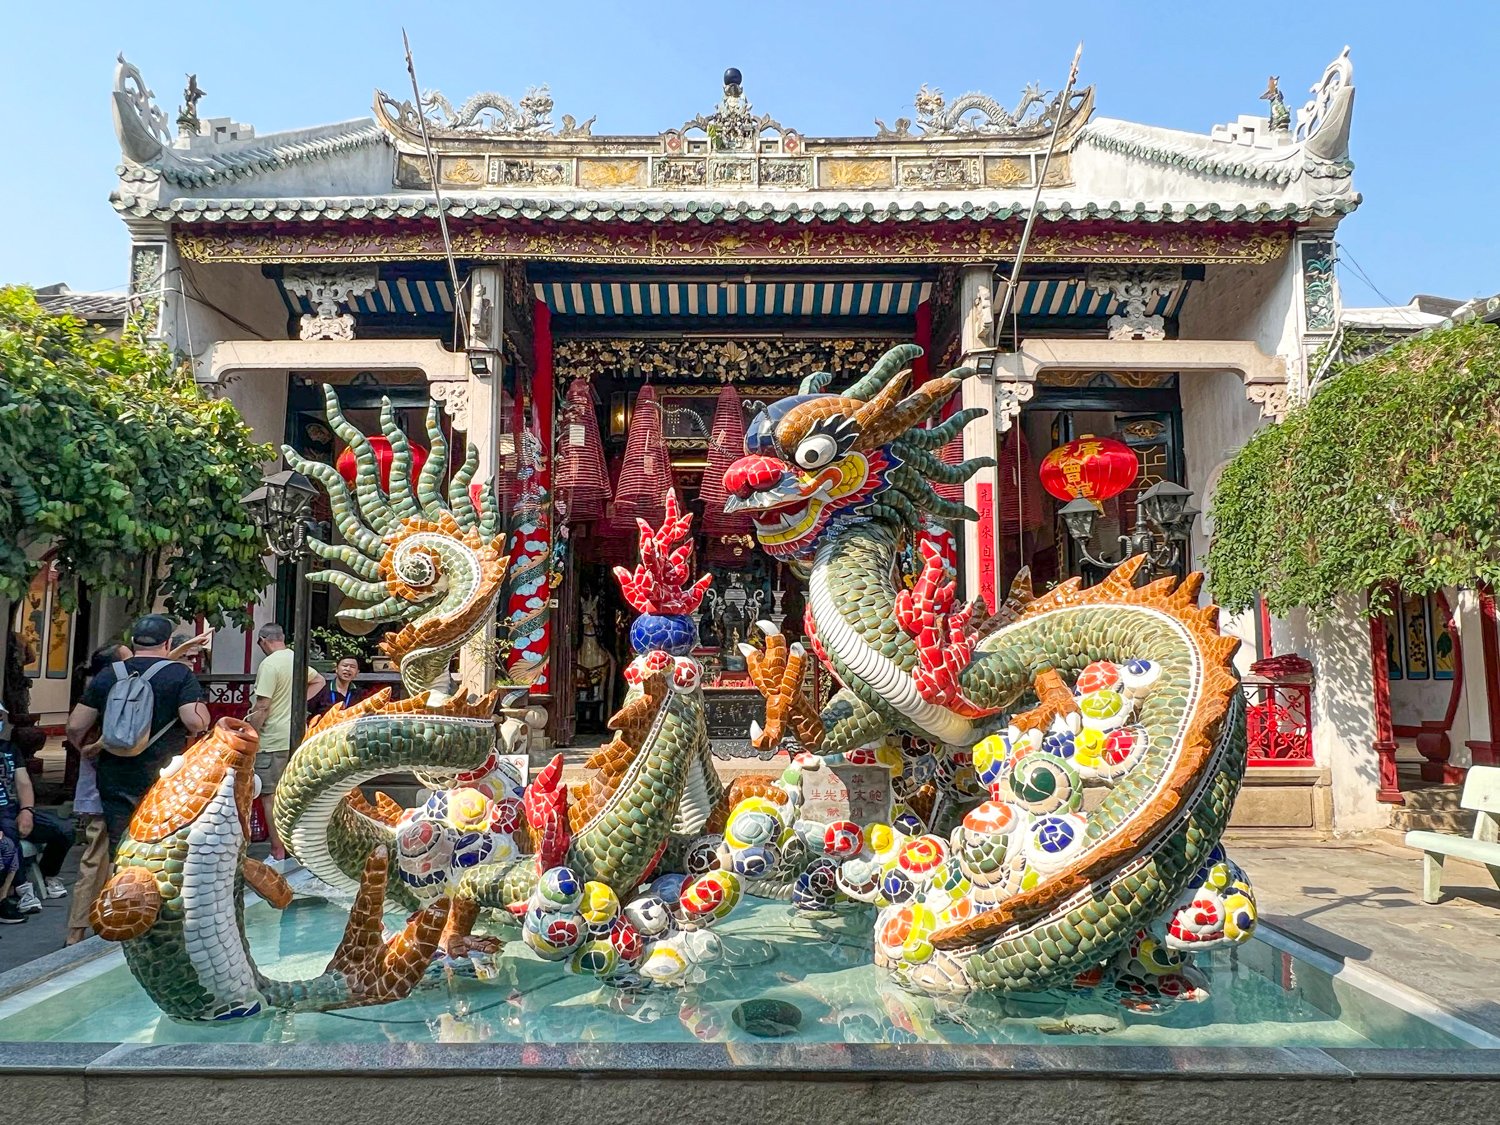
[151, 631]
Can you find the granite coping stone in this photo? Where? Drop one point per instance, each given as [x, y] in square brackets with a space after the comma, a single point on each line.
[772, 1062]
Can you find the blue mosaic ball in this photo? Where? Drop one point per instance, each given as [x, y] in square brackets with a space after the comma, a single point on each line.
[673, 633]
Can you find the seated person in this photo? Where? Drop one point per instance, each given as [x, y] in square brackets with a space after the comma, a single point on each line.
[20, 820]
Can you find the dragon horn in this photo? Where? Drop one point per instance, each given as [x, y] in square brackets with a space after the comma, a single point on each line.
[429, 490]
[372, 504]
[886, 366]
[403, 502]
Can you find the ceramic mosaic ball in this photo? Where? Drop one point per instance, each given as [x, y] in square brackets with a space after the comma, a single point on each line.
[920, 858]
[599, 904]
[672, 633]
[897, 886]
[648, 914]
[424, 851]
[859, 877]
[472, 848]
[1098, 676]
[664, 965]
[596, 958]
[950, 878]
[1104, 710]
[754, 820]
[990, 757]
[1239, 914]
[756, 862]
[436, 806]
[703, 855]
[506, 815]
[560, 887]
[712, 896]
[843, 838]
[1198, 921]
[1053, 842]
[553, 937]
[816, 888]
[908, 823]
[1058, 743]
[626, 941]
[1123, 751]
[668, 887]
[880, 838]
[1151, 957]
[904, 932]
[468, 810]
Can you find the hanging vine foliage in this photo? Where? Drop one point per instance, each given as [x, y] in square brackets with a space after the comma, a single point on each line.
[112, 457]
[1389, 477]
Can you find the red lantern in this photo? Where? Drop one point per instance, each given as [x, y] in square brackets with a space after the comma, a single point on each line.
[348, 469]
[1091, 468]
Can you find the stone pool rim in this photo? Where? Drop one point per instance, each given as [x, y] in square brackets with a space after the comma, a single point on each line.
[759, 1060]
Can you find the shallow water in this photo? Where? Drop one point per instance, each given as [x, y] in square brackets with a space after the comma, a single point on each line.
[818, 969]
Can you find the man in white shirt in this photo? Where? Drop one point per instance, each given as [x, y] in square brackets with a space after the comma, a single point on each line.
[271, 715]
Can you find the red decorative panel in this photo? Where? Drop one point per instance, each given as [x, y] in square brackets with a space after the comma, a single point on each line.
[984, 501]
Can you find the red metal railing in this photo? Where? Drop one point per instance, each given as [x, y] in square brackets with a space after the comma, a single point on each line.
[228, 695]
[1278, 719]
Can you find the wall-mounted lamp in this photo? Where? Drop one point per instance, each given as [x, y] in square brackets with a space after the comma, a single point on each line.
[619, 414]
[479, 364]
[984, 363]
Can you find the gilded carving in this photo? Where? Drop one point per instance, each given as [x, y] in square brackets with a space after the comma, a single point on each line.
[609, 174]
[1059, 171]
[939, 172]
[631, 243]
[1007, 171]
[461, 170]
[862, 173]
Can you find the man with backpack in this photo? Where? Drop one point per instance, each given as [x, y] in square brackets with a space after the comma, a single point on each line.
[147, 708]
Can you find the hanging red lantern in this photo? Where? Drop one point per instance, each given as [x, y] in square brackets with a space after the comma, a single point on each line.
[1089, 468]
[348, 468]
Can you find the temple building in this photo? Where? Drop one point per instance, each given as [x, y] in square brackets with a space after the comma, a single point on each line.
[601, 314]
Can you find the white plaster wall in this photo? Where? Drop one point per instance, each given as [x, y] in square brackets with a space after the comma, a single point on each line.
[210, 294]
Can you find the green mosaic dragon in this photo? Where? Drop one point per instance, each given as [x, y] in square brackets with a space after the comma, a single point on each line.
[431, 562]
[1129, 688]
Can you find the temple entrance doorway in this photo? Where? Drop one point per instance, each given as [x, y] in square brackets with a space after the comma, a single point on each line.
[1141, 409]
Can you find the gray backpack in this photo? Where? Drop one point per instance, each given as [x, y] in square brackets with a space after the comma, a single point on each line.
[129, 709]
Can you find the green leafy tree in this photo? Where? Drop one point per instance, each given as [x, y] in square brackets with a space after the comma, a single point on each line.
[1389, 477]
[112, 456]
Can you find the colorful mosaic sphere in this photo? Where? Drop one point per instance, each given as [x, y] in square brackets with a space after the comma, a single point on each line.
[507, 814]
[1137, 677]
[648, 914]
[920, 858]
[712, 896]
[1053, 842]
[424, 851]
[674, 633]
[1098, 676]
[668, 887]
[596, 958]
[897, 886]
[757, 862]
[816, 888]
[1058, 743]
[627, 942]
[599, 904]
[843, 838]
[754, 820]
[664, 965]
[473, 848]
[553, 937]
[468, 810]
[990, 758]
[703, 855]
[1104, 710]
[560, 887]
[904, 932]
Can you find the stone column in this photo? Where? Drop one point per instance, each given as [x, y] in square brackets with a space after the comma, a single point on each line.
[474, 405]
[981, 543]
[1345, 730]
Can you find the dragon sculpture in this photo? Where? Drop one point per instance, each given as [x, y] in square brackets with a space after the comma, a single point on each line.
[433, 564]
[1128, 687]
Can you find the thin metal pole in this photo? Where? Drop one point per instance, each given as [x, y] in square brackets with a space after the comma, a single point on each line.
[299, 647]
[459, 315]
[1036, 198]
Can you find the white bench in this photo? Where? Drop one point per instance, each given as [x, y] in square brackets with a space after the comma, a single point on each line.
[1482, 795]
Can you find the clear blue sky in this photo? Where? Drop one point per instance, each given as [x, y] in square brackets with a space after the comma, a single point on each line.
[1428, 77]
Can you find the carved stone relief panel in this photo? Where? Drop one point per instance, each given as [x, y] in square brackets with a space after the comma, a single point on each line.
[1319, 301]
[1137, 288]
[327, 288]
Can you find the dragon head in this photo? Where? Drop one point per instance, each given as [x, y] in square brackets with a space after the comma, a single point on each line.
[413, 555]
[814, 461]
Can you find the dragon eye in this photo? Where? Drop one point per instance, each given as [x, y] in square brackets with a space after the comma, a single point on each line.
[816, 450]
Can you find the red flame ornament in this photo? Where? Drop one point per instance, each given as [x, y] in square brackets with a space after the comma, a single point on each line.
[1092, 468]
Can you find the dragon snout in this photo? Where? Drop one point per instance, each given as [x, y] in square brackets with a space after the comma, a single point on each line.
[752, 474]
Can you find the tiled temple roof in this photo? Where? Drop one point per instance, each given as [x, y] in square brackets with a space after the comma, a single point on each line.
[487, 205]
[248, 159]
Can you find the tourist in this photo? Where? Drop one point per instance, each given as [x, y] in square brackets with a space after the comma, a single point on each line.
[271, 715]
[178, 712]
[88, 811]
[343, 692]
[10, 867]
[20, 820]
